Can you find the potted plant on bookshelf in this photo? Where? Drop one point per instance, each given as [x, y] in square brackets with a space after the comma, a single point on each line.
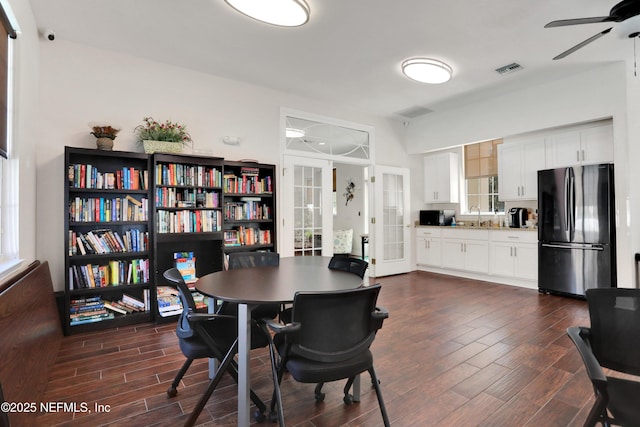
[165, 137]
[105, 134]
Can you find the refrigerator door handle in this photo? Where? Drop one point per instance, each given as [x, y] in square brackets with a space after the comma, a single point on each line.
[572, 203]
[573, 246]
[566, 200]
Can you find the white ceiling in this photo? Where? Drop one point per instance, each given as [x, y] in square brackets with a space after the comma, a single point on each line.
[349, 53]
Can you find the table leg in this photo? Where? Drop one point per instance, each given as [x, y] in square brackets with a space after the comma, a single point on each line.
[213, 362]
[244, 347]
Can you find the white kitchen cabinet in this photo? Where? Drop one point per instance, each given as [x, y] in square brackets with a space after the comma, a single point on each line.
[518, 166]
[514, 253]
[584, 146]
[441, 178]
[428, 247]
[464, 249]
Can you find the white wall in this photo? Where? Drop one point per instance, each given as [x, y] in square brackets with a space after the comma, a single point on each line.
[606, 91]
[81, 84]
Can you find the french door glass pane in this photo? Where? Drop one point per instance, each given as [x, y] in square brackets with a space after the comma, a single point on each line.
[307, 221]
[393, 217]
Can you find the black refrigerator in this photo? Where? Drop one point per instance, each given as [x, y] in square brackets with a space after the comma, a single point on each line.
[576, 229]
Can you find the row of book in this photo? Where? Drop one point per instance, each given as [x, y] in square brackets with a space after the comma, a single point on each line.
[195, 221]
[179, 174]
[247, 209]
[115, 273]
[84, 175]
[95, 309]
[102, 209]
[186, 197]
[247, 236]
[246, 184]
[106, 241]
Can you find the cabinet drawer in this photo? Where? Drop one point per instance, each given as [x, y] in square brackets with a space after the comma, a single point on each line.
[465, 233]
[514, 236]
[428, 232]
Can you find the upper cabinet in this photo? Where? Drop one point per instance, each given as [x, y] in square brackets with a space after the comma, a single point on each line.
[518, 166]
[441, 178]
[580, 147]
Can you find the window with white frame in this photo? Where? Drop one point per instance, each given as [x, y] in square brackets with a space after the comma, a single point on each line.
[481, 177]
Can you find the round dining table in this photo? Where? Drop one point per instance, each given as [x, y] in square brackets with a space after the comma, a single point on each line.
[249, 287]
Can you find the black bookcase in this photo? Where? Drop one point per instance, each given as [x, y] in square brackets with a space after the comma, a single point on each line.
[108, 255]
[128, 214]
[249, 207]
[187, 193]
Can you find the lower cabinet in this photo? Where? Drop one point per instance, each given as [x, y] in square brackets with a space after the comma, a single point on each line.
[510, 254]
[514, 254]
[467, 250]
[428, 247]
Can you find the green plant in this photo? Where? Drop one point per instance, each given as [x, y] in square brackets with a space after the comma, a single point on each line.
[166, 131]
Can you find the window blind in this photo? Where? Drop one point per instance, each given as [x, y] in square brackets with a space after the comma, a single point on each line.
[6, 32]
[481, 159]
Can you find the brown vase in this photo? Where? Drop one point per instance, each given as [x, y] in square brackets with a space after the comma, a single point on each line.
[104, 143]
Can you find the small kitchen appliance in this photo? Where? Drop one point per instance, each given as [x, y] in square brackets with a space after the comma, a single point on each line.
[436, 217]
[518, 217]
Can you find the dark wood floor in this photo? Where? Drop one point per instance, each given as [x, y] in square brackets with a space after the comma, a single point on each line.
[454, 352]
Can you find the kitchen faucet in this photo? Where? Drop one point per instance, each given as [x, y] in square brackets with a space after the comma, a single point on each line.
[476, 207]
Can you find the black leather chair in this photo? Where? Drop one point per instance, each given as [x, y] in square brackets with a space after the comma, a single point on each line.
[202, 335]
[613, 342]
[349, 264]
[328, 340]
[238, 260]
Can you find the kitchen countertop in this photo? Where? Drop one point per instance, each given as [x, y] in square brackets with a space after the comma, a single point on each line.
[473, 227]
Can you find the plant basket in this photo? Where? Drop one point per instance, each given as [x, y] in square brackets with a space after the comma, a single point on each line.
[151, 147]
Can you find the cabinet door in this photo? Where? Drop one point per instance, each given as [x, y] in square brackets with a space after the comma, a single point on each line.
[597, 145]
[452, 255]
[476, 256]
[422, 252]
[434, 252]
[533, 160]
[502, 263]
[509, 171]
[526, 261]
[563, 149]
[431, 171]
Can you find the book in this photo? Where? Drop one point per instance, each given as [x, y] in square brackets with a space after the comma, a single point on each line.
[185, 262]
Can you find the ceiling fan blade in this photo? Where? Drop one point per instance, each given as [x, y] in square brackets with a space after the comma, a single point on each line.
[578, 21]
[582, 44]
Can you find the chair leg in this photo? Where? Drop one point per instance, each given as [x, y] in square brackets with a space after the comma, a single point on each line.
[348, 399]
[277, 377]
[172, 391]
[318, 392]
[224, 366]
[376, 386]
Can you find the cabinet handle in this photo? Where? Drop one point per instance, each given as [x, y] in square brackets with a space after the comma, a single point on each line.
[583, 155]
[522, 191]
[578, 155]
[515, 252]
[510, 250]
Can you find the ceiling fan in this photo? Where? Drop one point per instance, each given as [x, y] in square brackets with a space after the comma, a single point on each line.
[620, 12]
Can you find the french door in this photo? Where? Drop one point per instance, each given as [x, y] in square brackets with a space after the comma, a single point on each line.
[392, 221]
[307, 202]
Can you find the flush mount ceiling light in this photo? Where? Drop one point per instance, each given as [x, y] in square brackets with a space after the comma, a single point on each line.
[285, 13]
[427, 70]
[294, 133]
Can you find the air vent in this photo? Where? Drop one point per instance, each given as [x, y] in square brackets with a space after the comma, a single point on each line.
[509, 68]
[413, 112]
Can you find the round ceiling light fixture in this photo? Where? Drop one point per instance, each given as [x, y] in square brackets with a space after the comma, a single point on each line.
[426, 70]
[284, 13]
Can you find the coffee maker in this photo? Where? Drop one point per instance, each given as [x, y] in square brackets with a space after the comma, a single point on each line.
[518, 217]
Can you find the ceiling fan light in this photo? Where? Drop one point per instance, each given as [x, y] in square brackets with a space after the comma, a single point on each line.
[284, 13]
[294, 133]
[425, 70]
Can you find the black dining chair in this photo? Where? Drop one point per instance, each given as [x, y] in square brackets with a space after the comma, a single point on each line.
[237, 260]
[349, 264]
[202, 335]
[613, 342]
[328, 339]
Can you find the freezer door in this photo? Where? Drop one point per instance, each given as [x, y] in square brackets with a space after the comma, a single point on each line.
[572, 269]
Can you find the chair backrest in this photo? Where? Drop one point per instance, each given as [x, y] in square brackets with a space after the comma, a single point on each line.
[184, 329]
[615, 328]
[349, 264]
[253, 259]
[336, 325]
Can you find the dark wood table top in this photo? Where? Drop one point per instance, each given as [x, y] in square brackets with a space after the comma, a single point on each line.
[276, 284]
